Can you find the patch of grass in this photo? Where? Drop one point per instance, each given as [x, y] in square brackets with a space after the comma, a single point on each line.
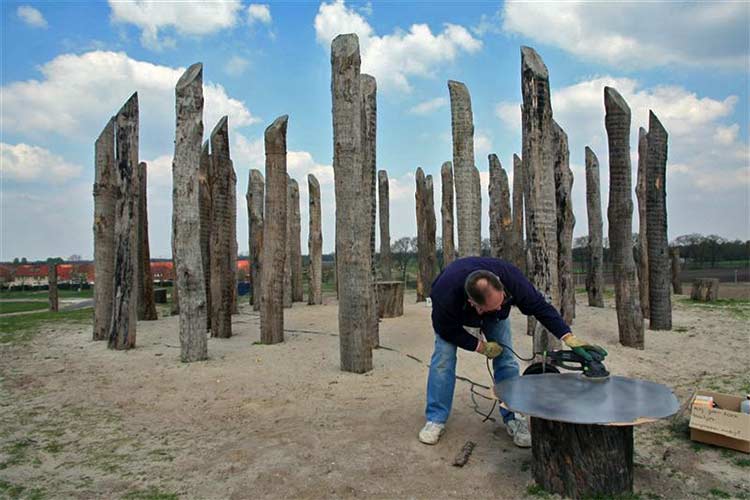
[739, 308]
[152, 493]
[681, 329]
[525, 466]
[53, 447]
[537, 491]
[14, 307]
[716, 492]
[741, 462]
[21, 328]
[16, 450]
[42, 294]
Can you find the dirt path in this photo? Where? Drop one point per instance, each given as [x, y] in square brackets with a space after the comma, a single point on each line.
[81, 421]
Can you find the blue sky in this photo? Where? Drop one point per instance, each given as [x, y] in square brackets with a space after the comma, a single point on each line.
[66, 67]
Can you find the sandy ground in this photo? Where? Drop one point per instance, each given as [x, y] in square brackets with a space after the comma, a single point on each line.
[80, 421]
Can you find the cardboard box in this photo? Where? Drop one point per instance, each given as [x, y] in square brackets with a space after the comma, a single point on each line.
[723, 426]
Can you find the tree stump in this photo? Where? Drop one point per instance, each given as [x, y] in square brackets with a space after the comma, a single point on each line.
[705, 290]
[578, 460]
[390, 299]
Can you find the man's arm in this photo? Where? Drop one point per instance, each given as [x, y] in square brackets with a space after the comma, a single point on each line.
[532, 303]
[453, 332]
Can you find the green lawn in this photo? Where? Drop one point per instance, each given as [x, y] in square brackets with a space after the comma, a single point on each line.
[740, 308]
[42, 294]
[12, 307]
[21, 328]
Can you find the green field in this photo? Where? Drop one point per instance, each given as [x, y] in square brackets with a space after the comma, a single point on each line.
[14, 307]
[22, 327]
[42, 294]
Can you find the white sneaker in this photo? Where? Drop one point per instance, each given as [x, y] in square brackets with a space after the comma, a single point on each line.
[431, 432]
[518, 429]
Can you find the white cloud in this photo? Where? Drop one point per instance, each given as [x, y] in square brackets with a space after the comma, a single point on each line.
[24, 162]
[31, 16]
[482, 147]
[236, 65]
[396, 57]
[186, 18]
[427, 107]
[638, 34]
[258, 13]
[727, 135]
[78, 93]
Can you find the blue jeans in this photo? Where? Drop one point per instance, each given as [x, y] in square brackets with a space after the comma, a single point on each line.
[442, 378]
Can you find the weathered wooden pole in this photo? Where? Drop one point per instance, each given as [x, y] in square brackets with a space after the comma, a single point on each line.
[674, 254]
[274, 234]
[223, 181]
[314, 243]
[519, 255]
[204, 208]
[565, 222]
[255, 188]
[539, 188]
[54, 304]
[288, 257]
[189, 282]
[233, 239]
[640, 193]
[660, 299]
[446, 213]
[353, 206]
[466, 175]
[296, 243]
[595, 274]
[146, 304]
[384, 221]
[368, 90]
[122, 329]
[620, 217]
[105, 189]
[501, 218]
[426, 225]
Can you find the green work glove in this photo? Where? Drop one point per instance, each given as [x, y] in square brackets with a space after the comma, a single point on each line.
[583, 348]
[490, 349]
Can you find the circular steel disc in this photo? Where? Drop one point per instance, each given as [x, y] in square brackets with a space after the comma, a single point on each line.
[572, 398]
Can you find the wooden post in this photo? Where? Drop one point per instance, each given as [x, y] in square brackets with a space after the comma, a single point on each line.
[288, 256]
[501, 218]
[52, 287]
[640, 193]
[446, 213]
[582, 461]
[146, 304]
[595, 275]
[122, 329]
[468, 192]
[296, 244]
[566, 221]
[274, 234]
[539, 189]
[390, 299]
[674, 254]
[705, 290]
[426, 257]
[660, 299]
[368, 90]
[519, 255]
[384, 222]
[314, 243]
[620, 216]
[105, 192]
[204, 202]
[255, 233]
[189, 282]
[353, 206]
[223, 181]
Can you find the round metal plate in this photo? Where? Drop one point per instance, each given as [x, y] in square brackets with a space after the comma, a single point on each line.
[570, 397]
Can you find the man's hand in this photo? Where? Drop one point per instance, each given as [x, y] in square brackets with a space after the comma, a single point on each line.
[583, 348]
[490, 349]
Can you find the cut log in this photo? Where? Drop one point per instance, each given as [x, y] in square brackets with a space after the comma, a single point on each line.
[353, 209]
[595, 275]
[274, 234]
[674, 254]
[146, 305]
[314, 242]
[104, 229]
[255, 194]
[52, 287]
[582, 461]
[620, 217]
[705, 290]
[426, 257]
[189, 288]
[446, 213]
[390, 299]
[384, 222]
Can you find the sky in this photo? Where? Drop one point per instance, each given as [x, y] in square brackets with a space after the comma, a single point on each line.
[68, 66]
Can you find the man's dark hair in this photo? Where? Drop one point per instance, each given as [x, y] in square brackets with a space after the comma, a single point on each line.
[476, 293]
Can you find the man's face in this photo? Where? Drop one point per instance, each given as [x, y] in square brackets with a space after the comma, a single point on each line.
[493, 299]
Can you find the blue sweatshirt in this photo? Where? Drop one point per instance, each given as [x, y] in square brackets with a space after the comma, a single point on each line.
[451, 309]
